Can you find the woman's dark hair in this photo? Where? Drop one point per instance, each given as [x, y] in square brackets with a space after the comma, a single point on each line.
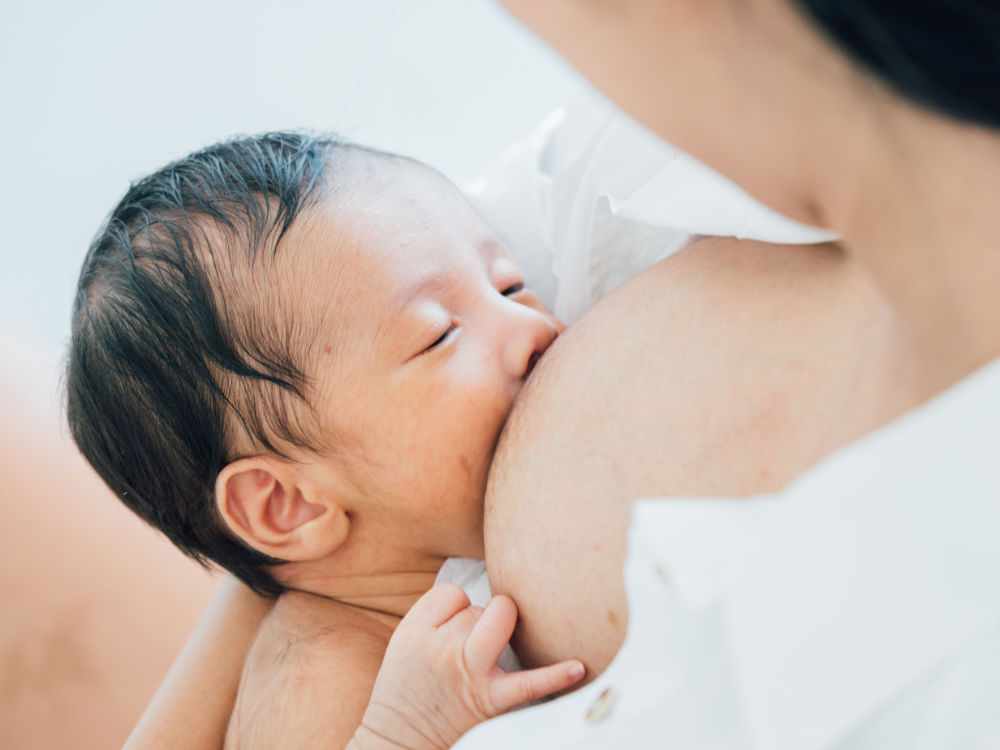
[160, 373]
[944, 54]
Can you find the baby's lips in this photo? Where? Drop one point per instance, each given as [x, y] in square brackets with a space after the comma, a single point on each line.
[532, 361]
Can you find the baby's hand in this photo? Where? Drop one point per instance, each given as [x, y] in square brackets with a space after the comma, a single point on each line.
[440, 676]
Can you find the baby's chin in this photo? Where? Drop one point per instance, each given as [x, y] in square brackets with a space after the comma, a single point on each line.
[471, 542]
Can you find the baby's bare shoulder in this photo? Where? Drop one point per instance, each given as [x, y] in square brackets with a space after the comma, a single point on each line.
[308, 676]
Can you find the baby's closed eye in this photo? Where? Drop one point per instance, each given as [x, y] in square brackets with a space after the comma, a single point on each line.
[442, 338]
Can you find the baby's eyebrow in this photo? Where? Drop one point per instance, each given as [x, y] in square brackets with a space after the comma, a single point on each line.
[423, 287]
[491, 248]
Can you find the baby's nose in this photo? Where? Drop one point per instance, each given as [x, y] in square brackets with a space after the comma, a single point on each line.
[529, 341]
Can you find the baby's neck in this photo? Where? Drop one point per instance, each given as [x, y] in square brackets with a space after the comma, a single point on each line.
[386, 596]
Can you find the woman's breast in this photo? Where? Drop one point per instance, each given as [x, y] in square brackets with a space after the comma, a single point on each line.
[717, 371]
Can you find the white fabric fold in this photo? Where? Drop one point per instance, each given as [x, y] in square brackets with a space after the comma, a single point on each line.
[591, 197]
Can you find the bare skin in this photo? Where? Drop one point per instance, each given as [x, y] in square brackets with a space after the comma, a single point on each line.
[296, 672]
[744, 378]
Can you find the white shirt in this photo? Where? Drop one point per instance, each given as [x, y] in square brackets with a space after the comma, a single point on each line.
[859, 608]
[592, 197]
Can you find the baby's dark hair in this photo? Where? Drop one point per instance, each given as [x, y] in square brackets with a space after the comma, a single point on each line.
[172, 359]
[944, 54]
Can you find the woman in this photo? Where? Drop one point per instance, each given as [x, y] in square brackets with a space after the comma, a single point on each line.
[882, 126]
[752, 373]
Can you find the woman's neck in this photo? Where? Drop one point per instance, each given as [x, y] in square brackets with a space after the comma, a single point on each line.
[920, 217]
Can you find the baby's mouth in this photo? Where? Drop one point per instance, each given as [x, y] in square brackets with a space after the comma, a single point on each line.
[532, 361]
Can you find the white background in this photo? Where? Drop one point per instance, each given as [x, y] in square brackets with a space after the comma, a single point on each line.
[98, 93]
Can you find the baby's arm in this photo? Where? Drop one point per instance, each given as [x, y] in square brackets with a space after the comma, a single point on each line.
[440, 676]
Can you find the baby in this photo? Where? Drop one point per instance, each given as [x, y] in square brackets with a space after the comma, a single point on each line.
[294, 356]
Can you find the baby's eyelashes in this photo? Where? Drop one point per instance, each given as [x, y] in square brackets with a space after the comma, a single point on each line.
[513, 289]
[442, 338]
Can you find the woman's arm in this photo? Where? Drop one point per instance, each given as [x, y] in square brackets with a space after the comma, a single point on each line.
[191, 709]
[95, 605]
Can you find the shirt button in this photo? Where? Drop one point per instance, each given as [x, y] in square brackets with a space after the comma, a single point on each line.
[602, 707]
[660, 572]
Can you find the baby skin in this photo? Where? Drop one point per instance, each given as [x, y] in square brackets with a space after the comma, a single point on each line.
[437, 675]
[440, 676]
[426, 334]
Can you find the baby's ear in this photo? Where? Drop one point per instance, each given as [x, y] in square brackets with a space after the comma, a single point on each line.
[276, 508]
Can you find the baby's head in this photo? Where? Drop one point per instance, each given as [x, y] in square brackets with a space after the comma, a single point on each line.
[289, 348]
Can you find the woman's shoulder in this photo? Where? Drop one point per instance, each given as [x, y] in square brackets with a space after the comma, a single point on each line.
[717, 276]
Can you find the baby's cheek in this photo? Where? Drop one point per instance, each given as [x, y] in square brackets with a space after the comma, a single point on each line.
[465, 464]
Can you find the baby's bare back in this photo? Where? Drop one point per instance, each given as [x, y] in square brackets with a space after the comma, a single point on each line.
[308, 677]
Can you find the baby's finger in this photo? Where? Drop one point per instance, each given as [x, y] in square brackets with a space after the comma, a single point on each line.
[437, 606]
[510, 690]
[489, 635]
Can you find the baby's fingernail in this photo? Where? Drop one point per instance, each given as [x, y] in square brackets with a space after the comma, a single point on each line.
[576, 671]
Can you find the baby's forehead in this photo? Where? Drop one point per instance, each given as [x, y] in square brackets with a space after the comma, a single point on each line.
[352, 256]
[401, 200]
[400, 216]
